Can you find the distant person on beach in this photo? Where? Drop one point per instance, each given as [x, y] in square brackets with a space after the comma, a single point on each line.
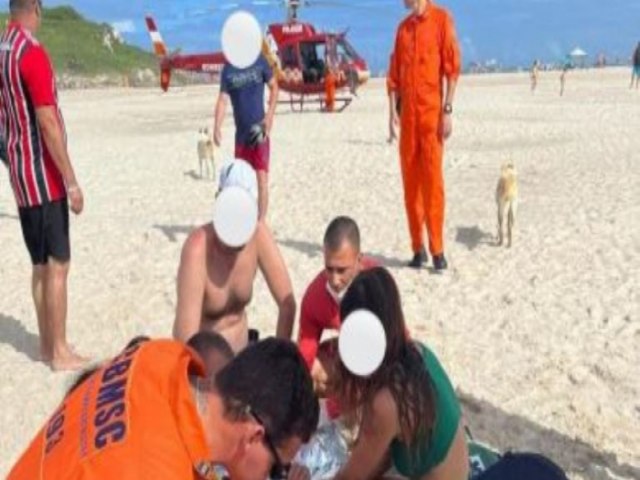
[563, 75]
[152, 412]
[535, 70]
[320, 307]
[43, 179]
[245, 88]
[215, 281]
[635, 72]
[424, 71]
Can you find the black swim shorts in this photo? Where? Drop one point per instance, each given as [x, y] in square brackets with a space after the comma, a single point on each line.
[45, 229]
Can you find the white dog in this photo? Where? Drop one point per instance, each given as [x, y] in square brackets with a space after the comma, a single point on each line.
[507, 201]
[205, 152]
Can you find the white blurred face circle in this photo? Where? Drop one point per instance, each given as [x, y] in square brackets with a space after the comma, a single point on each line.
[362, 343]
[235, 216]
[241, 39]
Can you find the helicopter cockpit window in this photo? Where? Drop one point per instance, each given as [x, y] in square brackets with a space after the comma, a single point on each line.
[346, 53]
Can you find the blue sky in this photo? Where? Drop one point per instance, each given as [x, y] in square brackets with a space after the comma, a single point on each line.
[511, 31]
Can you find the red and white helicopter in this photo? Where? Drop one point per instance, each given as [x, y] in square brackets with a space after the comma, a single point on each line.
[299, 54]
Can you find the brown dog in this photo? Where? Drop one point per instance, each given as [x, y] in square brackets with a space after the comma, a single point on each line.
[507, 201]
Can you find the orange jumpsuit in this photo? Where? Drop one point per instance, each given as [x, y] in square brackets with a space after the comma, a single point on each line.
[425, 52]
[330, 90]
[134, 418]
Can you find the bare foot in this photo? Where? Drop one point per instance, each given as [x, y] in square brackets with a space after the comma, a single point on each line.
[71, 361]
[44, 357]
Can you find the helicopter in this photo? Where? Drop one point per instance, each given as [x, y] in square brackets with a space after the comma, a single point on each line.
[300, 55]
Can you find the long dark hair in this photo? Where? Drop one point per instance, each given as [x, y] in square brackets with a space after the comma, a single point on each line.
[402, 370]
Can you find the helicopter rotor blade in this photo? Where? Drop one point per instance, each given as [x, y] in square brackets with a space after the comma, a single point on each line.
[344, 4]
[289, 4]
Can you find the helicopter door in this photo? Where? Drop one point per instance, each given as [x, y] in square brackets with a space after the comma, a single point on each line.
[331, 53]
[312, 61]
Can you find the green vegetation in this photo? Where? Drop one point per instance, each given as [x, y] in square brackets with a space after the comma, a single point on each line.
[76, 45]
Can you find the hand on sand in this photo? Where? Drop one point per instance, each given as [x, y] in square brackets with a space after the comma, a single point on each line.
[299, 472]
[76, 199]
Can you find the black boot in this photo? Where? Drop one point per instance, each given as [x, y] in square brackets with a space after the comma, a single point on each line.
[419, 259]
[439, 262]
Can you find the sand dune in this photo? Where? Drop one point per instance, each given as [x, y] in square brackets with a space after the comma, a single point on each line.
[542, 341]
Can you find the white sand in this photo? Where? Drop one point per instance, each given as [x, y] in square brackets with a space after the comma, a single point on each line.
[543, 340]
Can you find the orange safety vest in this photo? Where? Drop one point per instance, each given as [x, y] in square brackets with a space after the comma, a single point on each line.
[134, 418]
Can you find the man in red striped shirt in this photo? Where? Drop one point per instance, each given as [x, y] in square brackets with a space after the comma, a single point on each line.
[44, 183]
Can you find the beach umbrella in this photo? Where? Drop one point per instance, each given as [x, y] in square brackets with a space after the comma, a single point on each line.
[578, 52]
[578, 56]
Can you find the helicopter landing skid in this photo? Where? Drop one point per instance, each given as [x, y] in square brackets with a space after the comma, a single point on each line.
[297, 103]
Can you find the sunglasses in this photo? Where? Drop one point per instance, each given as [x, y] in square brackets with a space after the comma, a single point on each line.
[279, 470]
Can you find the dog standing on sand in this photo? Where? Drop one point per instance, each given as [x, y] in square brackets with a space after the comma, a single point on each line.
[507, 201]
[205, 152]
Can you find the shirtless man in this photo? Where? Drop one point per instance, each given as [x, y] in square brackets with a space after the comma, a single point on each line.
[215, 281]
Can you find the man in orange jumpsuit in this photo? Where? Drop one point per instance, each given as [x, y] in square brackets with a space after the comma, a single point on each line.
[152, 413]
[425, 56]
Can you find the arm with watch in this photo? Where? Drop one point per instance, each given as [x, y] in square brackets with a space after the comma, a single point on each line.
[451, 63]
[446, 123]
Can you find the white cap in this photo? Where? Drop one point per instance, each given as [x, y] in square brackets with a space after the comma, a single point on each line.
[235, 212]
[238, 173]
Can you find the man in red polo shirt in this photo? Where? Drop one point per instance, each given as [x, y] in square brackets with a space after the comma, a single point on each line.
[320, 309]
[44, 183]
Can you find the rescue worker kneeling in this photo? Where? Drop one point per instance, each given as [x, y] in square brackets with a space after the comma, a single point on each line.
[151, 412]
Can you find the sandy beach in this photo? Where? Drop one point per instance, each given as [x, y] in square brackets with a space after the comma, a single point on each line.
[542, 340]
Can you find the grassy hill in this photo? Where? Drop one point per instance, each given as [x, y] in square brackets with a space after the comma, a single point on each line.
[76, 45]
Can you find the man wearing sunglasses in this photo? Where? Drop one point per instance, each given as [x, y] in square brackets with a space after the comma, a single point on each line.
[151, 412]
[42, 177]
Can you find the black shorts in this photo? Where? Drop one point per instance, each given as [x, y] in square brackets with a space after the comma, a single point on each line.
[254, 335]
[3, 152]
[45, 229]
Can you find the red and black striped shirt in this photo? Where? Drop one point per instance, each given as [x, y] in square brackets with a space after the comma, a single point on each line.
[26, 83]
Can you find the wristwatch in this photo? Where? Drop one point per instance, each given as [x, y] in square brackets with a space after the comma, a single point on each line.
[448, 108]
